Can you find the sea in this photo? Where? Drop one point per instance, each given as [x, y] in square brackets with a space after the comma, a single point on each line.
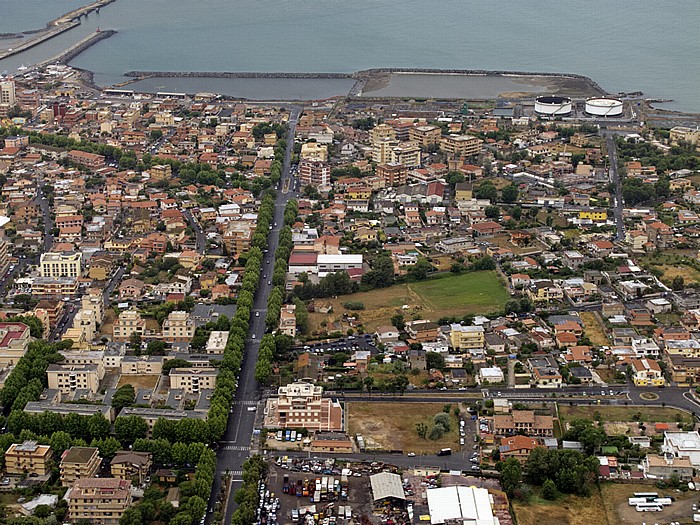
[624, 45]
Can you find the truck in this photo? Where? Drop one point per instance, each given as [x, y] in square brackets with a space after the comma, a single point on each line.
[285, 484]
[445, 452]
[293, 437]
[279, 435]
[287, 435]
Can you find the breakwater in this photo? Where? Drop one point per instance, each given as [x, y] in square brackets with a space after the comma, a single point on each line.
[69, 54]
[230, 74]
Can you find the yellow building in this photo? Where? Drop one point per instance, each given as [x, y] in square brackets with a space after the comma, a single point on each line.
[314, 150]
[78, 463]
[407, 154]
[382, 150]
[99, 500]
[131, 465]
[682, 134]
[425, 135]
[66, 264]
[178, 327]
[28, 458]
[128, 323]
[466, 337]
[461, 145]
[14, 340]
[161, 172]
[593, 215]
[68, 378]
[381, 133]
[361, 193]
[647, 372]
[464, 191]
[193, 380]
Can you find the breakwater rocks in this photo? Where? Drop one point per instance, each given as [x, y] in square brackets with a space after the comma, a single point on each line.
[223, 74]
[73, 51]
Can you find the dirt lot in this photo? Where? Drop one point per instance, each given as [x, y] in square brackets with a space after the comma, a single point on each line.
[108, 322]
[569, 510]
[382, 429]
[139, 381]
[618, 509]
[618, 413]
[594, 330]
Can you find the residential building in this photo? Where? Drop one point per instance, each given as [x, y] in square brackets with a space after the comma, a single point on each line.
[683, 445]
[129, 465]
[667, 466]
[28, 458]
[647, 372]
[101, 501]
[301, 405]
[193, 380]
[142, 364]
[216, 344]
[491, 375]
[425, 135]
[128, 324]
[65, 264]
[518, 447]
[337, 263]
[68, 378]
[523, 422]
[78, 463]
[288, 320]
[151, 415]
[393, 174]
[460, 145]
[14, 340]
[316, 173]
[467, 337]
[178, 327]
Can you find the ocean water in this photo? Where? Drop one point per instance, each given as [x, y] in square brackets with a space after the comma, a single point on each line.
[26, 15]
[624, 45]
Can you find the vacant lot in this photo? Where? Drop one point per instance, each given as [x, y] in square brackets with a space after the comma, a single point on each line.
[454, 295]
[108, 322]
[618, 413]
[594, 330]
[392, 426]
[139, 381]
[567, 510]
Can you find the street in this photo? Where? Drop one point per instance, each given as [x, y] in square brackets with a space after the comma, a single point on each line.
[615, 179]
[234, 449]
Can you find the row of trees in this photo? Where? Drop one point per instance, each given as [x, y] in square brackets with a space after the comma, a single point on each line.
[247, 498]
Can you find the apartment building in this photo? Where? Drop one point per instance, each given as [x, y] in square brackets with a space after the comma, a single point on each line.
[89, 160]
[301, 405]
[523, 422]
[288, 320]
[216, 344]
[14, 340]
[407, 154]
[316, 173]
[314, 150]
[128, 323]
[392, 174]
[28, 458]
[130, 465]
[99, 500]
[142, 364]
[79, 463]
[425, 135]
[68, 378]
[193, 380]
[466, 337]
[237, 237]
[64, 264]
[460, 145]
[178, 327]
[380, 133]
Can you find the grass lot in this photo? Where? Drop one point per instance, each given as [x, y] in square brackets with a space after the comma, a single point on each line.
[454, 295]
[567, 510]
[673, 263]
[383, 427]
[621, 413]
[108, 322]
[139, 381]
[503, 241]
[594, 330]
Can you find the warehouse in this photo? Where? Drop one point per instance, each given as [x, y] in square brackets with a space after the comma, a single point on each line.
[464, 505]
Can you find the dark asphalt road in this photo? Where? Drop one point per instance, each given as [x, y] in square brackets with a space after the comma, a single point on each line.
[234, 449]
[615, 178]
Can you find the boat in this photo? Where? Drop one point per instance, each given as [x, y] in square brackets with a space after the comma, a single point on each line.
[22, 68]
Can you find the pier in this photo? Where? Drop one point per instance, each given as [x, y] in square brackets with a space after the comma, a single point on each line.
[73, 51]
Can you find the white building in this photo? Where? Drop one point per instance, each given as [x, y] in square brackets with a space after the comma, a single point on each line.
[683, 445]
[491, 375]
[337, 263]
[465, 505]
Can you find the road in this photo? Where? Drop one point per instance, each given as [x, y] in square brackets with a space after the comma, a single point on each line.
[201, 239]
[46, 215]
[234, 449]
[615, 179]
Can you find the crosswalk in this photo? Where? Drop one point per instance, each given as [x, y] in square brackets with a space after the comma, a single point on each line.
[234, 473]
[251, 402]
[235, 447]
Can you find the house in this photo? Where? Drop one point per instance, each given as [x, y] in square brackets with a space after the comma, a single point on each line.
[491, 375]
[683, 445]
[422, 330]
[486, 228]
[518, 447]
[386, 334]
[78, 463]
[667, 466]
[334, 442]
[546, 377]
[525, 422]
[647, 372]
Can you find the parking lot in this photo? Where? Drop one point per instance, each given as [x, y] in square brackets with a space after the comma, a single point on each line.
[346, 344]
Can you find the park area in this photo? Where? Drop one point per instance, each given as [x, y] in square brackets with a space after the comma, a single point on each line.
[450, 296]
[392, 426]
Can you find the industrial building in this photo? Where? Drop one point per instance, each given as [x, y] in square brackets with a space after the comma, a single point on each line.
[464, 505]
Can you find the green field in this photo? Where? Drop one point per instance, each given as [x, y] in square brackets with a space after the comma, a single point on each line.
[453, 295]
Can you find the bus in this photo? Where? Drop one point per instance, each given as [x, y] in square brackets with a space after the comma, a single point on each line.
[445, 452]
[649, 507]
[662, 501]
[646, 494]
[636, 501]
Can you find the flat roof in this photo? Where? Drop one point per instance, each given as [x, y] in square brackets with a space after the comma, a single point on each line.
[468, 505]
[387, 485]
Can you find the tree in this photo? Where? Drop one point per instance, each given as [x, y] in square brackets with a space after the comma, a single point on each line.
[486, 190]
[509, 194]
[678, 282]
[511, 471]
[420, 270]
[434, 361]
[155, 348]
[549, 490]
[135, 341]
[398, 322]
[492, 212]
[98, 426]
[131, 516]
[442, 420]
[436, 432]
[421, 430]
[60, 441]
[382, 273]
[36, 327]
[130, 428]
[123, 397]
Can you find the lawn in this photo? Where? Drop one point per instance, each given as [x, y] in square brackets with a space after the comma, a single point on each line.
[382, 426]
[453, 295]
[594, 330]
[621, 413]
